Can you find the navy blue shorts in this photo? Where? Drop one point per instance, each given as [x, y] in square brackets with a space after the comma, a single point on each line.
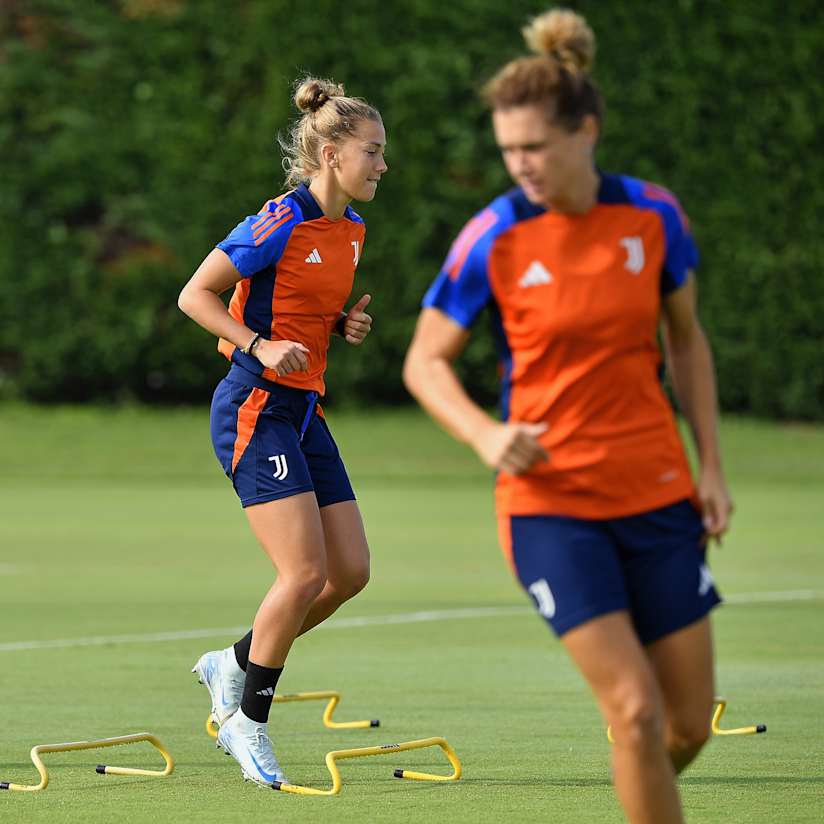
[653, 565]
[272, 442]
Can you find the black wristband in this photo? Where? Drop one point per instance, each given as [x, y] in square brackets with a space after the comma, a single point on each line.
[340, 323]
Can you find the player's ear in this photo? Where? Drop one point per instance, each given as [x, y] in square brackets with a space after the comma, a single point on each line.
[329, 154]
[590, 129]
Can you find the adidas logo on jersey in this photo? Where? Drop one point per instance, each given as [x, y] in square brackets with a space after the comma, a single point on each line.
[536, 275]
[314, 257]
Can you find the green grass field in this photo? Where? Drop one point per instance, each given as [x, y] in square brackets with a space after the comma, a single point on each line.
[119, 522]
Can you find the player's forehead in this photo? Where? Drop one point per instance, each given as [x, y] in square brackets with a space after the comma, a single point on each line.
[521, 126]
[370, 132]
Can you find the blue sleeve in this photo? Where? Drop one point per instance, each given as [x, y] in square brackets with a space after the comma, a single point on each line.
[258, 242]
[462, 288]
[681, 253]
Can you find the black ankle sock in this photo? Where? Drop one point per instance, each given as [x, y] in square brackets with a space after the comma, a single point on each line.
[258, 691]
[242, 648]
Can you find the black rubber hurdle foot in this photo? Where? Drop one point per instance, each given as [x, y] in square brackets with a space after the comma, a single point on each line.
[4, 785]
[100, 769]
[761, 728]
[276, 785]
[374, 723]
[398, 773]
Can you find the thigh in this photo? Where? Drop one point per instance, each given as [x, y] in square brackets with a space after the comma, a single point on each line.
[290, 531]
[569, 566]
[610, 656]
[328, 474]
[257, 444]
[664, 561]
[347, 551]
[683, 664]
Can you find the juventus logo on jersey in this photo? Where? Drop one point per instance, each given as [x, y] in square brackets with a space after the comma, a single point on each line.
[281, 469]
[635, 254]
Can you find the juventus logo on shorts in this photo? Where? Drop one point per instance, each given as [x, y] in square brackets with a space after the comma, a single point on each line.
[544, 599]
[281, 469]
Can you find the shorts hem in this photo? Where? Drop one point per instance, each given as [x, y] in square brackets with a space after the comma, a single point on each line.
[275, 496]
[706, 609]
[336, 500]
[589, 613]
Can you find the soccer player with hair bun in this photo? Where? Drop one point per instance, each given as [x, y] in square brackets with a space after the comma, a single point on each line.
[598, 513]
[292, 267]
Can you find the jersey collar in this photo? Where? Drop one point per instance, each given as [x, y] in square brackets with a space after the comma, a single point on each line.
[308, 205]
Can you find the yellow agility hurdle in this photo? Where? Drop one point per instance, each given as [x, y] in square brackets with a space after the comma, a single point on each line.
[333, 698]
[362, 752]
[135, 738]
[715, 723]
[716, 720]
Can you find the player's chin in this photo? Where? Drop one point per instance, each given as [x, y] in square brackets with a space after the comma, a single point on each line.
[368, 191]
[534, 194]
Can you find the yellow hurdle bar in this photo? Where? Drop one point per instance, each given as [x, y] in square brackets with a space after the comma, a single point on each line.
[333, 698]
[716, 720]
[135, 738]
[385, 749]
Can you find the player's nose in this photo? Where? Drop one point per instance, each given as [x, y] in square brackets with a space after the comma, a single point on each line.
[520, 160]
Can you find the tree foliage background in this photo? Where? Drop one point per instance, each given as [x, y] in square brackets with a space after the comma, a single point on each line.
[134, 134]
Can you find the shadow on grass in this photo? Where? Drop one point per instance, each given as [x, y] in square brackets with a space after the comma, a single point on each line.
[700, 780]
[537, 781]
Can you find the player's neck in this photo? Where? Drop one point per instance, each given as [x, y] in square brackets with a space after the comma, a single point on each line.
[581, 196]
[330, 197]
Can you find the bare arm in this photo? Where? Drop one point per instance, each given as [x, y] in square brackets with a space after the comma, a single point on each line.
[430, 377]
[200, 300]
[693, 376]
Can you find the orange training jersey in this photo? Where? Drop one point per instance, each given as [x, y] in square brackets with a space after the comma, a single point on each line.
[298, 267]
[575, 303]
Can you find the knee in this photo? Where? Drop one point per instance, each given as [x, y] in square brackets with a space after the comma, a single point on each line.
[636, 716]
[351, 582]
[306, 586]
[688, 737]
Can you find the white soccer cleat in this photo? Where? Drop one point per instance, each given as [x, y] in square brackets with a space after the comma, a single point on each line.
[247, 742]
[220, 673]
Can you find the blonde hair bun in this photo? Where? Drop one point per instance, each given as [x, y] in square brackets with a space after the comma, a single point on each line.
[313, 92]
[564, 35]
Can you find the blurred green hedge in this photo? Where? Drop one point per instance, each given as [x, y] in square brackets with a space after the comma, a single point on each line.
[135, 134]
